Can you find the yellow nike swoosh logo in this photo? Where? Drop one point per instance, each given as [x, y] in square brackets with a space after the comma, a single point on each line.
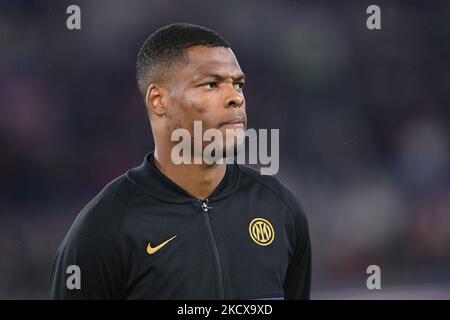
[151, 250]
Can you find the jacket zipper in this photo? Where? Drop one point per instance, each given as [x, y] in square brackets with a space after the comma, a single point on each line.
[206, 208]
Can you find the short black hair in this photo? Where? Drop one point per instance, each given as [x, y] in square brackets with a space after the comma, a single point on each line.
[167, 46]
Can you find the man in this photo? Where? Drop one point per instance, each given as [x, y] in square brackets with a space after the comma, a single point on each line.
[187, 231]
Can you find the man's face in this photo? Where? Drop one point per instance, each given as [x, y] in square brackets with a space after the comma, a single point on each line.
[209, 89]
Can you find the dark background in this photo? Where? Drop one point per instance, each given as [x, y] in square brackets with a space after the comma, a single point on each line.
[364, 119]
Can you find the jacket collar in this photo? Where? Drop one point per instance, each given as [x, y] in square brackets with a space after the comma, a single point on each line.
[156, 184]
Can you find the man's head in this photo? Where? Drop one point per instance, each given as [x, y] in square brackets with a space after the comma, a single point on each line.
[188, 73]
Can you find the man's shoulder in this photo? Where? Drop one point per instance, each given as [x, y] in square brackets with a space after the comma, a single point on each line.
[274, 186]
[96, 244]
[102, 216]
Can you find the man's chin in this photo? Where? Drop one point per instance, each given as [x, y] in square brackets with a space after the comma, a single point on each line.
[232, 151]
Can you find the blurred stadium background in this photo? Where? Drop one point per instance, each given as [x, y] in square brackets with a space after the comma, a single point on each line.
[364, 120]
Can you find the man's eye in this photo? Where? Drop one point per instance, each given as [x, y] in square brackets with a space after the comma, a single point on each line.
[210, 85]
[239, 86]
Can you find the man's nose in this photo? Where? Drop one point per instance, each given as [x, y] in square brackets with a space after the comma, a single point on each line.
[235, 100]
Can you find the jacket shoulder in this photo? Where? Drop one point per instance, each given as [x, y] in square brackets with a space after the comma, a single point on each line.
[275, 186]
[101, 217]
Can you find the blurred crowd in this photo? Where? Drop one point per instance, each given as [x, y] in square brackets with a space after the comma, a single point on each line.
[364, 119]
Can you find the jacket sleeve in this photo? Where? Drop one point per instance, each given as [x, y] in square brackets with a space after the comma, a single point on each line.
[297, 284]
[88, 262]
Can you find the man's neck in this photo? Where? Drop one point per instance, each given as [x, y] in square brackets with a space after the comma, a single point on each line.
[199, 180]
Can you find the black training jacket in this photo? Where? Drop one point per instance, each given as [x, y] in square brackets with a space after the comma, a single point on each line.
[144, 237]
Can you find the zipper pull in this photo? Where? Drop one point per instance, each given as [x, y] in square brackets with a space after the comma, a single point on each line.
[205, 206]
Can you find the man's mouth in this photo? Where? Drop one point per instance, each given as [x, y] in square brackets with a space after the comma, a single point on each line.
[235, 123]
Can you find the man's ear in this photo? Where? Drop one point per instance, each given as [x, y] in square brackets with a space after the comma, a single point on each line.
[155, 100]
